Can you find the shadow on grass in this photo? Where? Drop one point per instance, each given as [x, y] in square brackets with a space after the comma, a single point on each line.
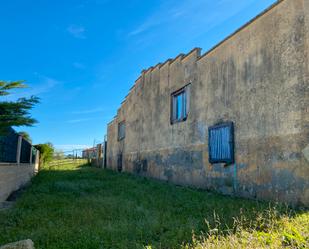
[86, 207]
[85, 165]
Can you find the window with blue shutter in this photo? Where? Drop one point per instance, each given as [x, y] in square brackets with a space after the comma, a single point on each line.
[180, 105]
[221, 143]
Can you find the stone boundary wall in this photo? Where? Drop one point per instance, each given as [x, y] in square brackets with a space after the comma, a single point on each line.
[14, 176]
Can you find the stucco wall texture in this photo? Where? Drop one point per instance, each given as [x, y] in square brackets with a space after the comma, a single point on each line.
[259, 79]
[14, 176]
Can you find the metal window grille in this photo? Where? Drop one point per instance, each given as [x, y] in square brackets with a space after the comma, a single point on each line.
[25, 151]
[8, 146]
[221, 143]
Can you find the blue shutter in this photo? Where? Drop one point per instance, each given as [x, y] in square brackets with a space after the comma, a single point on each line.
[179, 106]
[221, 143]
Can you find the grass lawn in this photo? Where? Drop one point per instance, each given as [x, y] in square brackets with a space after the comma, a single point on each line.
[82, 207]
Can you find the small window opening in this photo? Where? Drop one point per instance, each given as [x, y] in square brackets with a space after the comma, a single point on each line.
[179, 105]
[221, 143]
[121, 130]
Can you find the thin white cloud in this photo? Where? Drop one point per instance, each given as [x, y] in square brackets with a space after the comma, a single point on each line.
[88, 111]
[167, 13]
[194, 17]
[79, 65]
[71, 147]
[152, 21]
[45, 85]
[88, 2]
[97, 118]
[162, 16]
[102, 2]
[77, 31]
[75, 121]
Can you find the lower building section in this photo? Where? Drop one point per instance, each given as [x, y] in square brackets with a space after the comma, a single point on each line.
[272, 168]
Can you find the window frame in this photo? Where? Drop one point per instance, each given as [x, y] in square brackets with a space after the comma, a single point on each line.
[184, 91]
[122, 123]
[231, 143]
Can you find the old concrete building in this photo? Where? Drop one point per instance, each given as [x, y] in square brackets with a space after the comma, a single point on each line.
[254, 86]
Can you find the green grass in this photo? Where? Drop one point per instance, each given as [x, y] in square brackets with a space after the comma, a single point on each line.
[81, 207]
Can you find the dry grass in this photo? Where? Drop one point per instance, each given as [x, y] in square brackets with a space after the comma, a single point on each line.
[271, 229]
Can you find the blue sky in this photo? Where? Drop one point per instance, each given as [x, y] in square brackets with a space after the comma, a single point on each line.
[82, 56]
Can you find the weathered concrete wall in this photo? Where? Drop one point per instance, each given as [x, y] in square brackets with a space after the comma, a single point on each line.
[259, 79]
[13, 176]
